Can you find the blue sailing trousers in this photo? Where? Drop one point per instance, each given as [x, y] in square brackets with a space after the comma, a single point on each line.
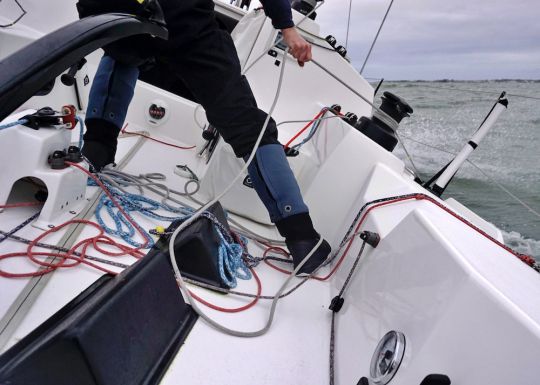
[112, 91]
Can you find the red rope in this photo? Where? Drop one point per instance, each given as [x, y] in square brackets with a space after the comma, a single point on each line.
[43, 271]
[22, 204]
[83, 245]
[113, 200]
[524, 258]
[282, 252]
[238, 309]
[95, 242]
[305, 127]
[124, 131]
[360, 222]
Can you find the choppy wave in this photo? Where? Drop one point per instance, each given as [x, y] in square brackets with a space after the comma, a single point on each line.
[521, 244]
[446, 115]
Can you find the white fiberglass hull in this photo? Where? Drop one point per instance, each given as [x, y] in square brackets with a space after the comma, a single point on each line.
[467, 307]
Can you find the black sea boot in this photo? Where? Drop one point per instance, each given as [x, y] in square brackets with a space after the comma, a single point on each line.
[275, 184]
[100, 142]
[301, 238]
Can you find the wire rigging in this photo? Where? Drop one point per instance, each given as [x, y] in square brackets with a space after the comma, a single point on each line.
[348, 25]
[408, 155]
[376, 37]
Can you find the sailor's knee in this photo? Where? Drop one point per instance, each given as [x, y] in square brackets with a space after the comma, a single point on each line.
[244, 139]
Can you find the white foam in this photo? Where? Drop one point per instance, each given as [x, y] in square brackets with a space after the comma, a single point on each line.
[521, 244]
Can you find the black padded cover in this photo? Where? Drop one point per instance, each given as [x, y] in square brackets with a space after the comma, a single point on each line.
[196, 248]
[121, 330]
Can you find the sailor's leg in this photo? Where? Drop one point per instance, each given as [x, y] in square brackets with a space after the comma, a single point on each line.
[275, 183]
[111, 93]
[209, 66]
[278, 189]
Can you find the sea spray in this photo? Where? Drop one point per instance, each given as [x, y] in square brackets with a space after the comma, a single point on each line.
[446, 115]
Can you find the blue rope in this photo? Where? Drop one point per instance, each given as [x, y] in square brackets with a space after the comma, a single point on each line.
[120, 222]
[13, 124]
[81, 130]
[232, 256]
[132, 203]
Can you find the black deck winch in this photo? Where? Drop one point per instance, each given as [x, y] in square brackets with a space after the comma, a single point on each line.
[381, 128]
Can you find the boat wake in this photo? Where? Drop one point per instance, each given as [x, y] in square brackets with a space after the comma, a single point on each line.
[522, 244]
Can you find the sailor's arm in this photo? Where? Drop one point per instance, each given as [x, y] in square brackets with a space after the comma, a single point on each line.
[280, 13]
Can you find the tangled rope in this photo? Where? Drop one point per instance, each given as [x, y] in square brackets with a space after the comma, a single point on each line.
[234, 261]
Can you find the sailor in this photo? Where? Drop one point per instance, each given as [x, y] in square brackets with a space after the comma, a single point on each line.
[203, 57]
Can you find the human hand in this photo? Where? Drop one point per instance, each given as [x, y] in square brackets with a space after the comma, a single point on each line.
[298, 46]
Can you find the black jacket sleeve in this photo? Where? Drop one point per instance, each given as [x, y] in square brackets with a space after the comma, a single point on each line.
[280, 13]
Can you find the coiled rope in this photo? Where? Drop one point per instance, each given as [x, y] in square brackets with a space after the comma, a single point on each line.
[233, 258]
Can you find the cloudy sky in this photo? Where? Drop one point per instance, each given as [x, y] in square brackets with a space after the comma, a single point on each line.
[435, 39]
[426, 39]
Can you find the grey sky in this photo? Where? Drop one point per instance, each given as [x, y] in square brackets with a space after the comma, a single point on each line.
[424, 39]
[434, 39]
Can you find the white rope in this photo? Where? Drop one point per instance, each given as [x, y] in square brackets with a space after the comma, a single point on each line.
[182, 284]
[408, 155]
[245, 70]
[386, 119]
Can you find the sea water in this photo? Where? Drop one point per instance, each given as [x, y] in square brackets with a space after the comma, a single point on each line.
[446, 114]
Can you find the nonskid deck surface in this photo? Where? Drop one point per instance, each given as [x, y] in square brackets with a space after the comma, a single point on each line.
[295, 347]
